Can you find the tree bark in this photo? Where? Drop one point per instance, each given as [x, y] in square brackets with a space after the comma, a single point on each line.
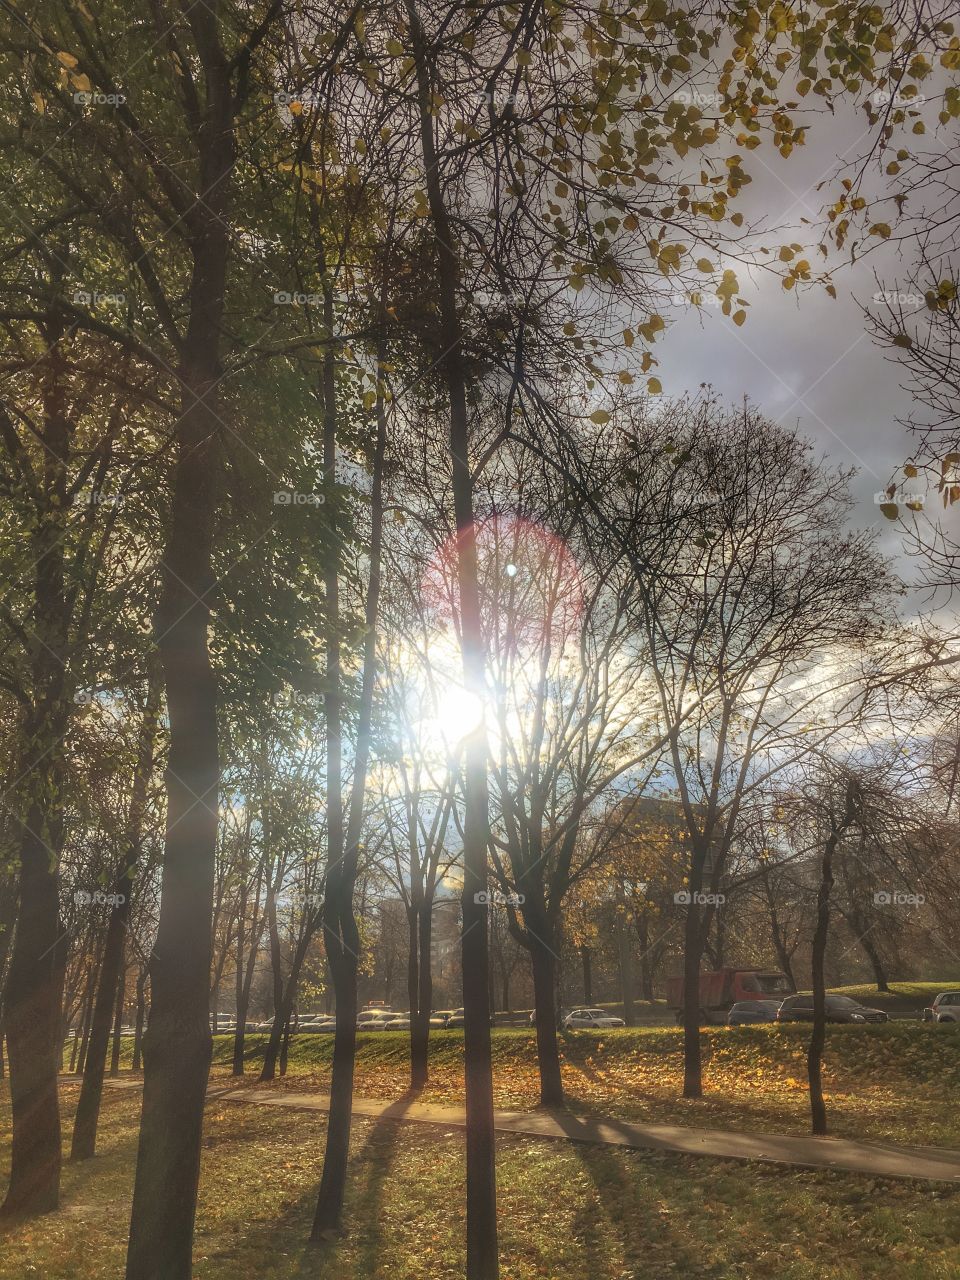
[818, 1110]
[692, 1065]
[588, 976]
[91, 1091]
[482, 1252]
[34, 987]
[420, 1027]
[543, 964]
[118, 1021]
[141, 1015]
[625, 953]
[341, 935]
[178, 1043]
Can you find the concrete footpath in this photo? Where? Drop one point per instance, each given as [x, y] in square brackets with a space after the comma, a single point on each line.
[876, 1159]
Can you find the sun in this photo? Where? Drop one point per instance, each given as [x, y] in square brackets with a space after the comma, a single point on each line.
[457, 714]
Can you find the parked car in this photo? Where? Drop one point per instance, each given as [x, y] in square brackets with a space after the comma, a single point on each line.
[746, 1011]
[396, 1022]
[440, 1019]
[945, 1008]
[316, 1026]
[455, 1019]
[368, 1019]
[591, 1018]
[839, 1009]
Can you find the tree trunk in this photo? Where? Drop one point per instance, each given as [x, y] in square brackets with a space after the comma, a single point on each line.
[420, 1028]
[177, 1043]
[118, 1021]
[34, 986]
[280, 1030]
[587, 975]
[141, 1014]
[81, 1038]
[692, 1066]
[876, 963]
[625, 953]
[341, 935]
[91, 1091]
[32, 1019]
[786, 962]
[543, 964]
[818, 1110]
[646, 967]
[482, 1252]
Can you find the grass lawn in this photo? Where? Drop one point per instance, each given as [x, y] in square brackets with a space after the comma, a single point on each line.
[567, 1212]
[895, 1082]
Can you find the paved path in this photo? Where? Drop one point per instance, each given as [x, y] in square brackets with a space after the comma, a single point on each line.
[878, 1159]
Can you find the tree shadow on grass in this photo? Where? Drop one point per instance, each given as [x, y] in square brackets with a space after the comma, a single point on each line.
[629, 1209]
[367, 1173]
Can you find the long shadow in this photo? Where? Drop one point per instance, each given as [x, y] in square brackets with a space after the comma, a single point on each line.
[636, 1221]
[368, 1170]
[377, 1153]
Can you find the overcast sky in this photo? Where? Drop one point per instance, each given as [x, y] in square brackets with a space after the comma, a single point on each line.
[806, 361]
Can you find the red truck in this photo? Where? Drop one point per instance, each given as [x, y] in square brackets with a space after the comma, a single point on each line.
[723, 988]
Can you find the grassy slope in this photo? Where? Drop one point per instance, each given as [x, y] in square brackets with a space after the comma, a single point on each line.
[570, 1211]
[895, 1082]
[903, 997]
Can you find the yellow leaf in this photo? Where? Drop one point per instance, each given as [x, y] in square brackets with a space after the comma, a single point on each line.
[600, 416]
[739, 317]
[67, 60]
[654, 386]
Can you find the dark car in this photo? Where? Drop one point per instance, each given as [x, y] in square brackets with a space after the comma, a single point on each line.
[839, 1009]
[945, 1008]
[745, 1011]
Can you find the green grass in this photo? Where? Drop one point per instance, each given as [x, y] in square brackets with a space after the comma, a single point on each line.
[903, 997]
[567, 1211]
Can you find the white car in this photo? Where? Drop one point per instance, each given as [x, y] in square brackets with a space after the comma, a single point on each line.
[373, 1019]
[313, 1026]
[598, 1019]
[395, 1022]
